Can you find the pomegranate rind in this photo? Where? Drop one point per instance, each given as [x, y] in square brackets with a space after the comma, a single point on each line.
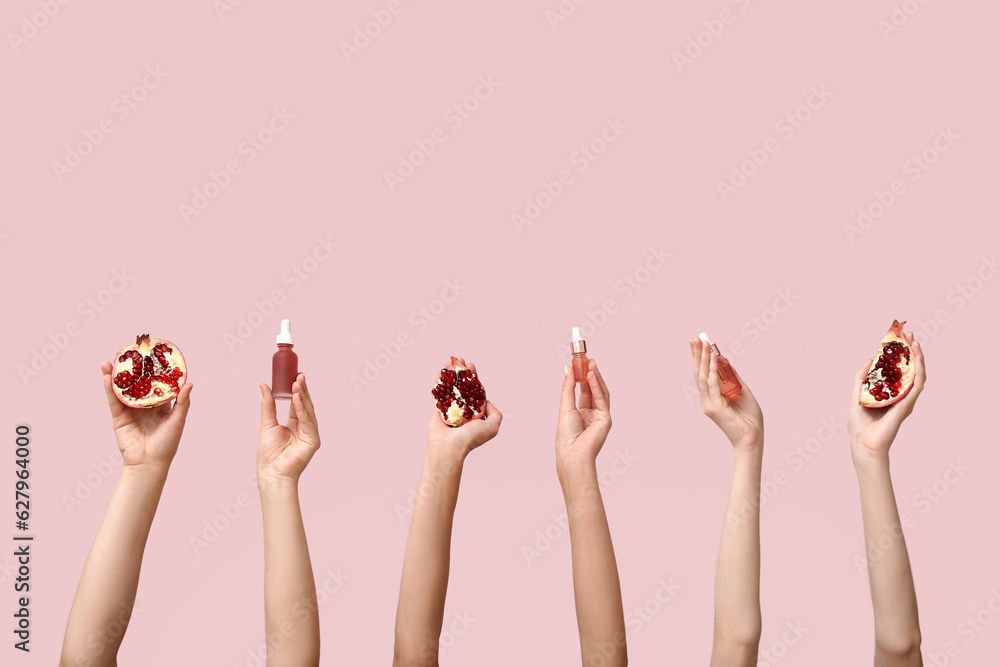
[455, 415]
[144, 344]
[894, 335]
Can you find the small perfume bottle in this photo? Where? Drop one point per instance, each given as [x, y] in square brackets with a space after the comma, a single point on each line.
[728, 384]
[284, 363]
[580, 362]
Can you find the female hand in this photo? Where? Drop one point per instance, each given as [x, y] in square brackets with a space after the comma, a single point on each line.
[284, 451]
[581, 431]
[458, 441]
[872, 430]
[147, 437]
[739, 417]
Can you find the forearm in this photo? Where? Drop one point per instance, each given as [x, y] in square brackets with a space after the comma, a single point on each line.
[737, 576]
[894, 600]
[107, 590]
[424, 583]
[291, 617]
[596, 586]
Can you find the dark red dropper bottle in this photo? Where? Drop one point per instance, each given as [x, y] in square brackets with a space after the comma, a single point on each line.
[284, 363]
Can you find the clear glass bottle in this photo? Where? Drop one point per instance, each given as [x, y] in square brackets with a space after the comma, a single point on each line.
[728, 384]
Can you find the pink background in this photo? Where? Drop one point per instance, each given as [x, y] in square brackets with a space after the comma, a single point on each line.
[655, 186]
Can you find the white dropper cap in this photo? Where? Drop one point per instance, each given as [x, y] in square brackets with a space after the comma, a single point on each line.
[704, 336]
[286, 337]
[576, 334]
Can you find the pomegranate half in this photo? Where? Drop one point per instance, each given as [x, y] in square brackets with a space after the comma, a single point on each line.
[148, 373]
[891, 376]
[459, 395]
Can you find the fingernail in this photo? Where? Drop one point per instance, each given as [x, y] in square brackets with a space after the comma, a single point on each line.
[565, 370]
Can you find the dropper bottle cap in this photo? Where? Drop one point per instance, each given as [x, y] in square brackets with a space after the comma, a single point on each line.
[286, 337]
[579, 344]
[704, 336]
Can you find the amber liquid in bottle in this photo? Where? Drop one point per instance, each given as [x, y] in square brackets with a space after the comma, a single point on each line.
[728, 384]
[284, 370]
[580, 366]
[580, 362]
[284, 363]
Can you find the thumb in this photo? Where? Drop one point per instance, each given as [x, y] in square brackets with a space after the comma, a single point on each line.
[116, 406]
[860, 378]
[182, 405]
[567, 401]
[268, 411]
[493, 416]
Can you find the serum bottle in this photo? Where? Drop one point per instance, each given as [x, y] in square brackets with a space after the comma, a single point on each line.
[580, 362]
[728, 384]
[284, 363]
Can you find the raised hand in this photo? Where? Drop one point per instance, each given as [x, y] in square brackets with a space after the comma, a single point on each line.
[582, 430]
[872, 430]
[580, 434]
[284, 451]
[458, 442]
[427, 561]
[739, 417]
[147, 437]
[736, 637]
[890, 577]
